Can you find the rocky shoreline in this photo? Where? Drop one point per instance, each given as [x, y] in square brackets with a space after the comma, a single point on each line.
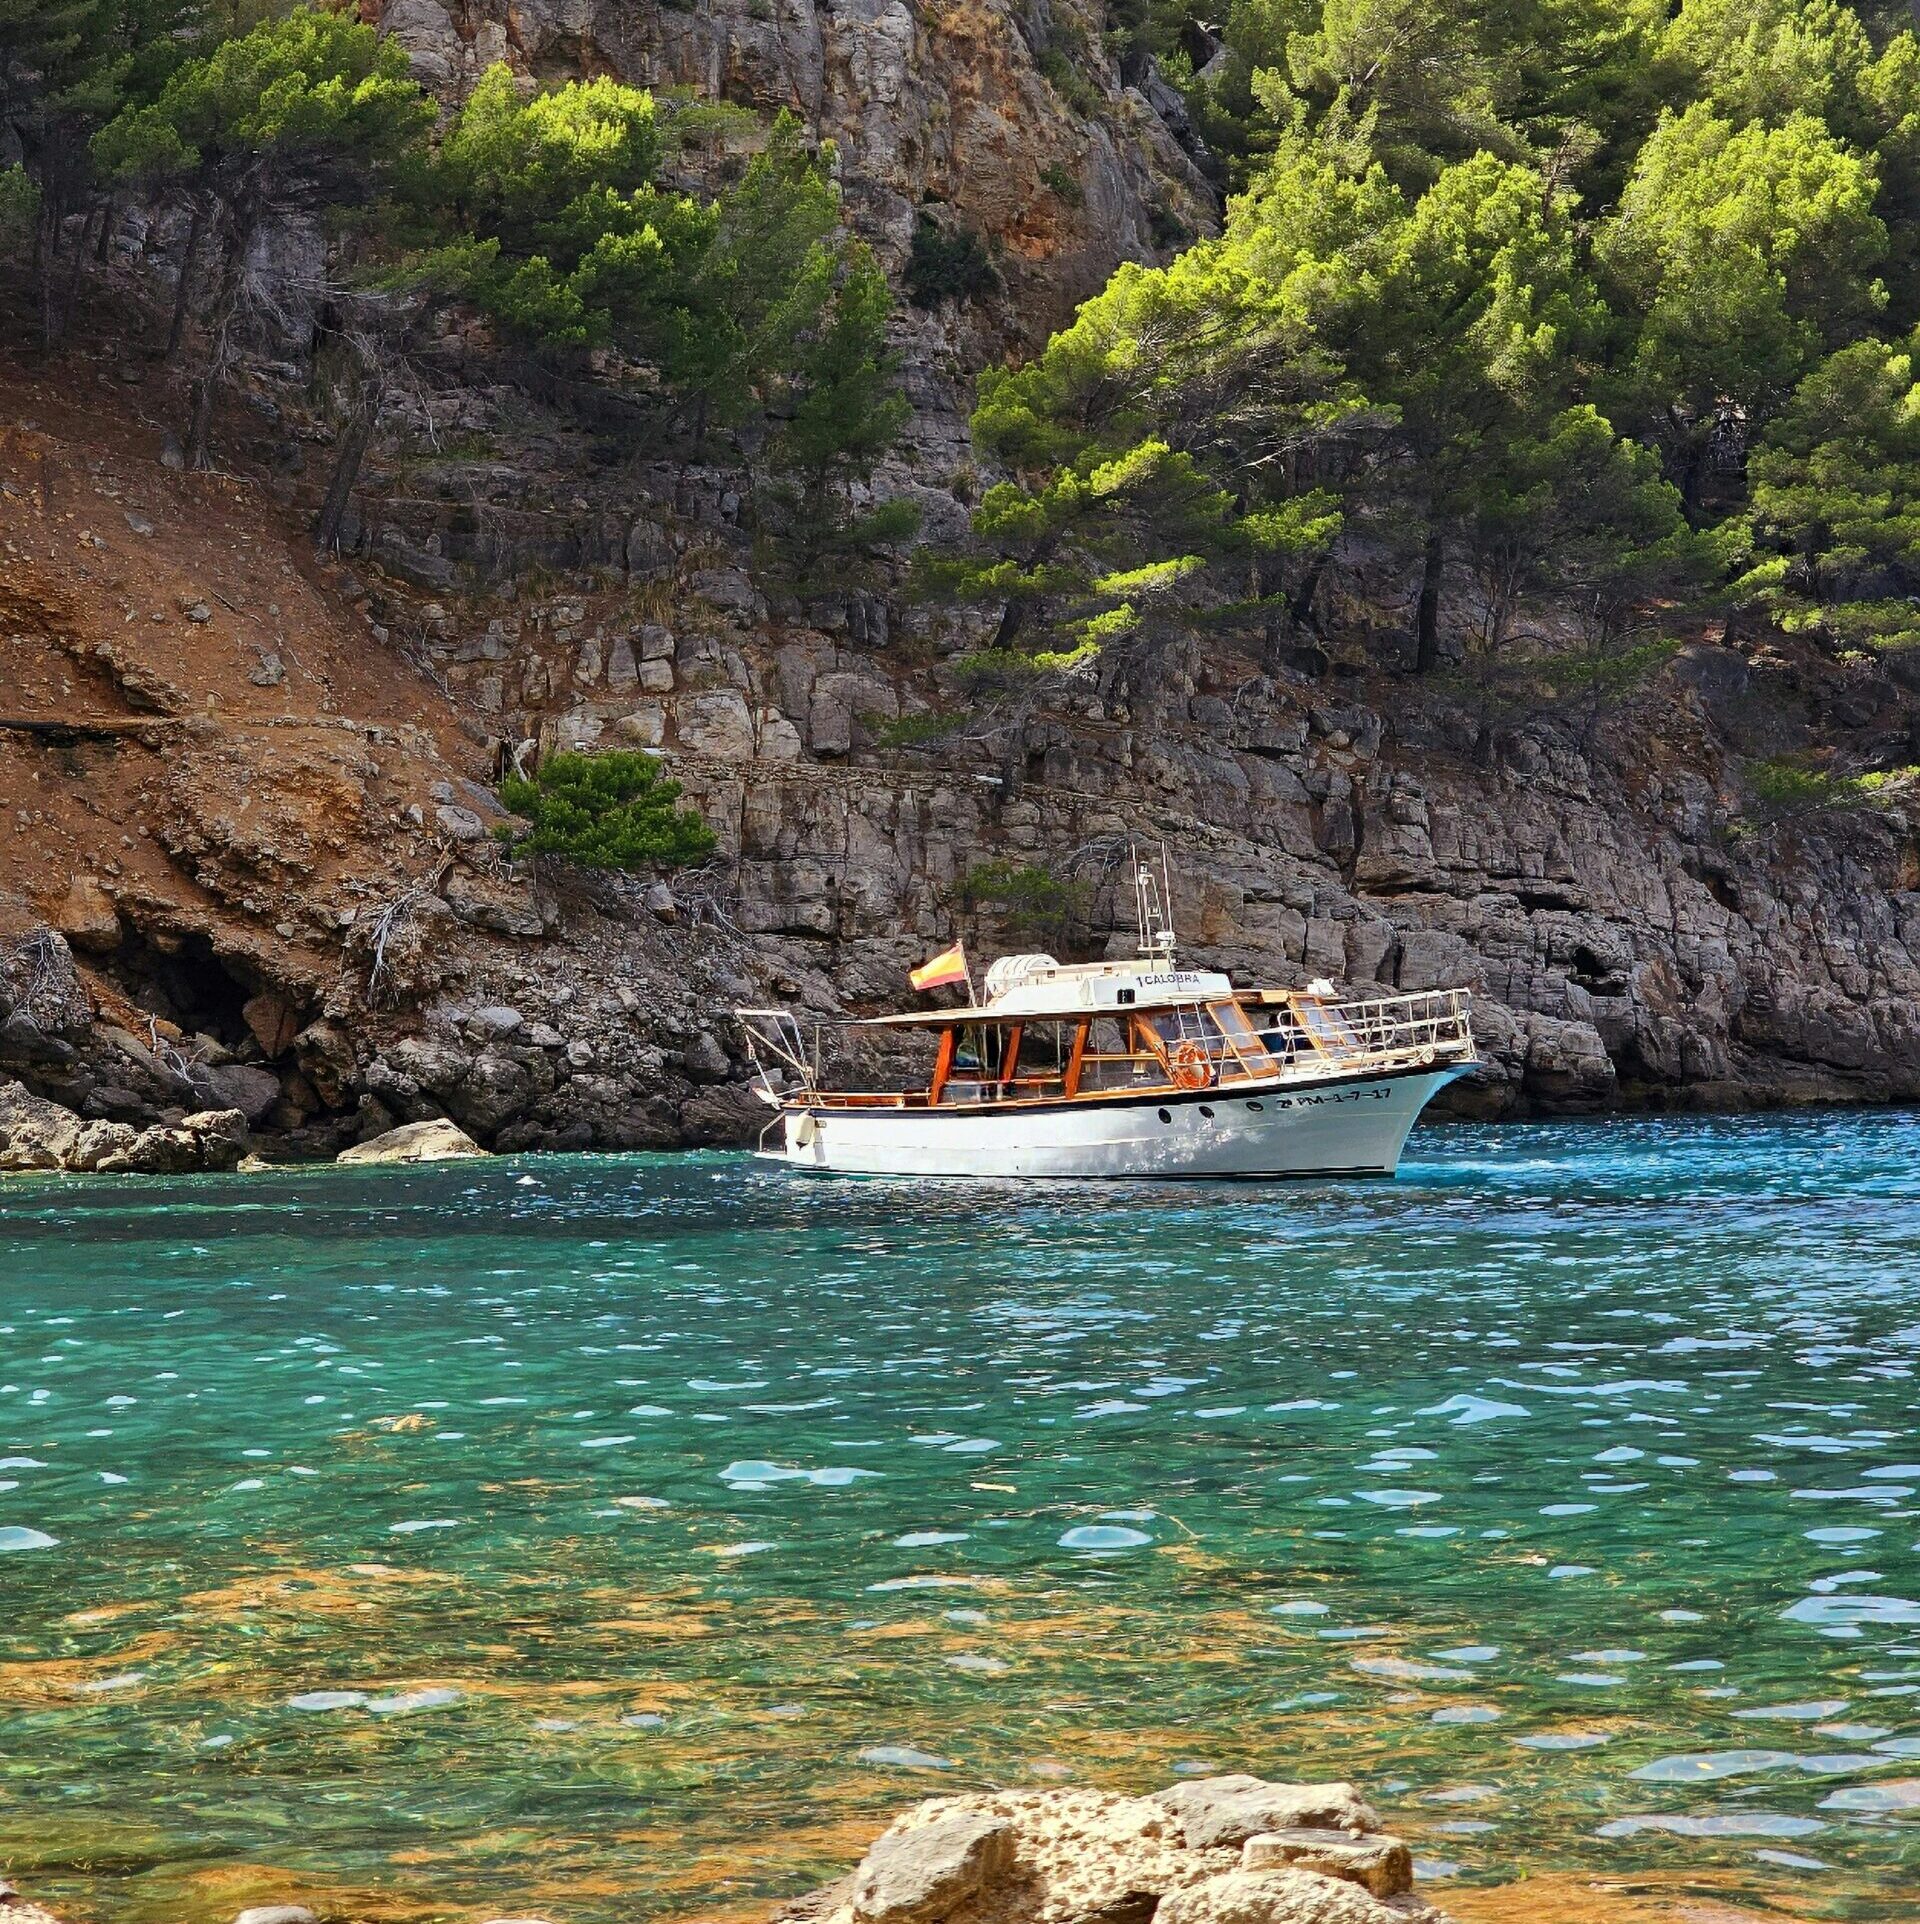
[37, 1134]
[282, 896]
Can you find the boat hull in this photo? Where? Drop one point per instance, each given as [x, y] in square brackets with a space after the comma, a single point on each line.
[1352, 1127]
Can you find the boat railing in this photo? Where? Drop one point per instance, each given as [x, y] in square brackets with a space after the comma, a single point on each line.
[1385, 1032]
[1272, 1037]
[777, 1047]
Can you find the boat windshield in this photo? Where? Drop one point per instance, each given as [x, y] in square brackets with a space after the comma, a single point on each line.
[1212, 1040]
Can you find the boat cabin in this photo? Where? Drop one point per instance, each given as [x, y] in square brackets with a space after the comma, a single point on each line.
[1049, 1031]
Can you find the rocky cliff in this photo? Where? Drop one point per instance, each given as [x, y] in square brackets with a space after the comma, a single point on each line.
[1009, 119]
[247, 798]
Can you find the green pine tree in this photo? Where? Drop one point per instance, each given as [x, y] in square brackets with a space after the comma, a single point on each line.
[605, 811]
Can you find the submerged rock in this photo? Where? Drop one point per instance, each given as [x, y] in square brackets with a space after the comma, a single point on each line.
[277, 1914]
[1220, 1850]
[434, 1141]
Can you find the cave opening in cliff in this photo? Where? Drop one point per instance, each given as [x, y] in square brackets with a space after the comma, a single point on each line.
[187, 984]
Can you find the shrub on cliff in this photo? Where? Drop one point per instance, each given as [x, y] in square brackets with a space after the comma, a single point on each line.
[948, 265]
[604, 811]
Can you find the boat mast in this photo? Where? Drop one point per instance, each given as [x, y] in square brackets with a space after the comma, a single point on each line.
[1153, 899]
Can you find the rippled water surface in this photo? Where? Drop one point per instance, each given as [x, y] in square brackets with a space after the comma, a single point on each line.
[617, 1537]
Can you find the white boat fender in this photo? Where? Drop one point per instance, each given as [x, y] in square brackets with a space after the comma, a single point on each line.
[804, 1131]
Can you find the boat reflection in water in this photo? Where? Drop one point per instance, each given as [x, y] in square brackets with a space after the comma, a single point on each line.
[1135, 1068]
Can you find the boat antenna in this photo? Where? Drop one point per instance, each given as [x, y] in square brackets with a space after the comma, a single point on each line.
[1151, 895]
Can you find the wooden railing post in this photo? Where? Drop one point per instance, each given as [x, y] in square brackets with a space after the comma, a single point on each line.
[1077, 1057]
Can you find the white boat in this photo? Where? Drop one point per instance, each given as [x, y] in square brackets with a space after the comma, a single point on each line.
[1135, 1069]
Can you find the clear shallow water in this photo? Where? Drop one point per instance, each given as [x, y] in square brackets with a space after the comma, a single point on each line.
[618, 1537]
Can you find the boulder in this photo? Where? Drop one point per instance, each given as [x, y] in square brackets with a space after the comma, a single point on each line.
[706, 1060]
[1277, 1897]
[718, 723]
[623, 674]
[918, 1874]
[497, 1087]
[222, 1135]
[1072, 1856]
[1378, 1863]
[1226, 1811]
[324, 1051]
[245, 1087]
[34, 1133]
[728, 1117]
[99, 1140]
[88, 918]
[496, 904]
[273, 1020]
[277, 1914]
[495, 1021]
[459, 824]
[436, 1141]
[158, 1151]
[24, 1042]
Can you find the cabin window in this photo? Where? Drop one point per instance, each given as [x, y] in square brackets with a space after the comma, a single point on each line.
[1008, 1061]
[1330, 1030]
[1116, 1057]
[1193, 1025]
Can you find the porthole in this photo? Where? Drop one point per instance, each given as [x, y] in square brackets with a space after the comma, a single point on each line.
[1256, 1105]
[1166, 1115]
[1205, 1111]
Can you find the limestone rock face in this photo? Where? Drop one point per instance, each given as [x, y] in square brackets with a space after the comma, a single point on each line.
[946, 108]
[1092, 1857]
[432, 1141]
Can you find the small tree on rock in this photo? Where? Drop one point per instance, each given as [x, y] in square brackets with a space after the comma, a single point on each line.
[605, 811]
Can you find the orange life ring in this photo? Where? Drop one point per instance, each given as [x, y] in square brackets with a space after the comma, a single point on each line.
[1189, 1065]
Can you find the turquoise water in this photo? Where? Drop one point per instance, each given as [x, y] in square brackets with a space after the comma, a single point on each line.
[620, 1537]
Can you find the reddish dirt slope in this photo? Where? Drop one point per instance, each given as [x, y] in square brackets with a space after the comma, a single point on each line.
[200, 736]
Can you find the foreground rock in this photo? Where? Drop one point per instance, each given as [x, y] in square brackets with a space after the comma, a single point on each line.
[16, 1910]
[38, 1134]
[436, 1141]
[1219, 1850]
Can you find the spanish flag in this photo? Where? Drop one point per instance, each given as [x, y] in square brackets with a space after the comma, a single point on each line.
[943, 971]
